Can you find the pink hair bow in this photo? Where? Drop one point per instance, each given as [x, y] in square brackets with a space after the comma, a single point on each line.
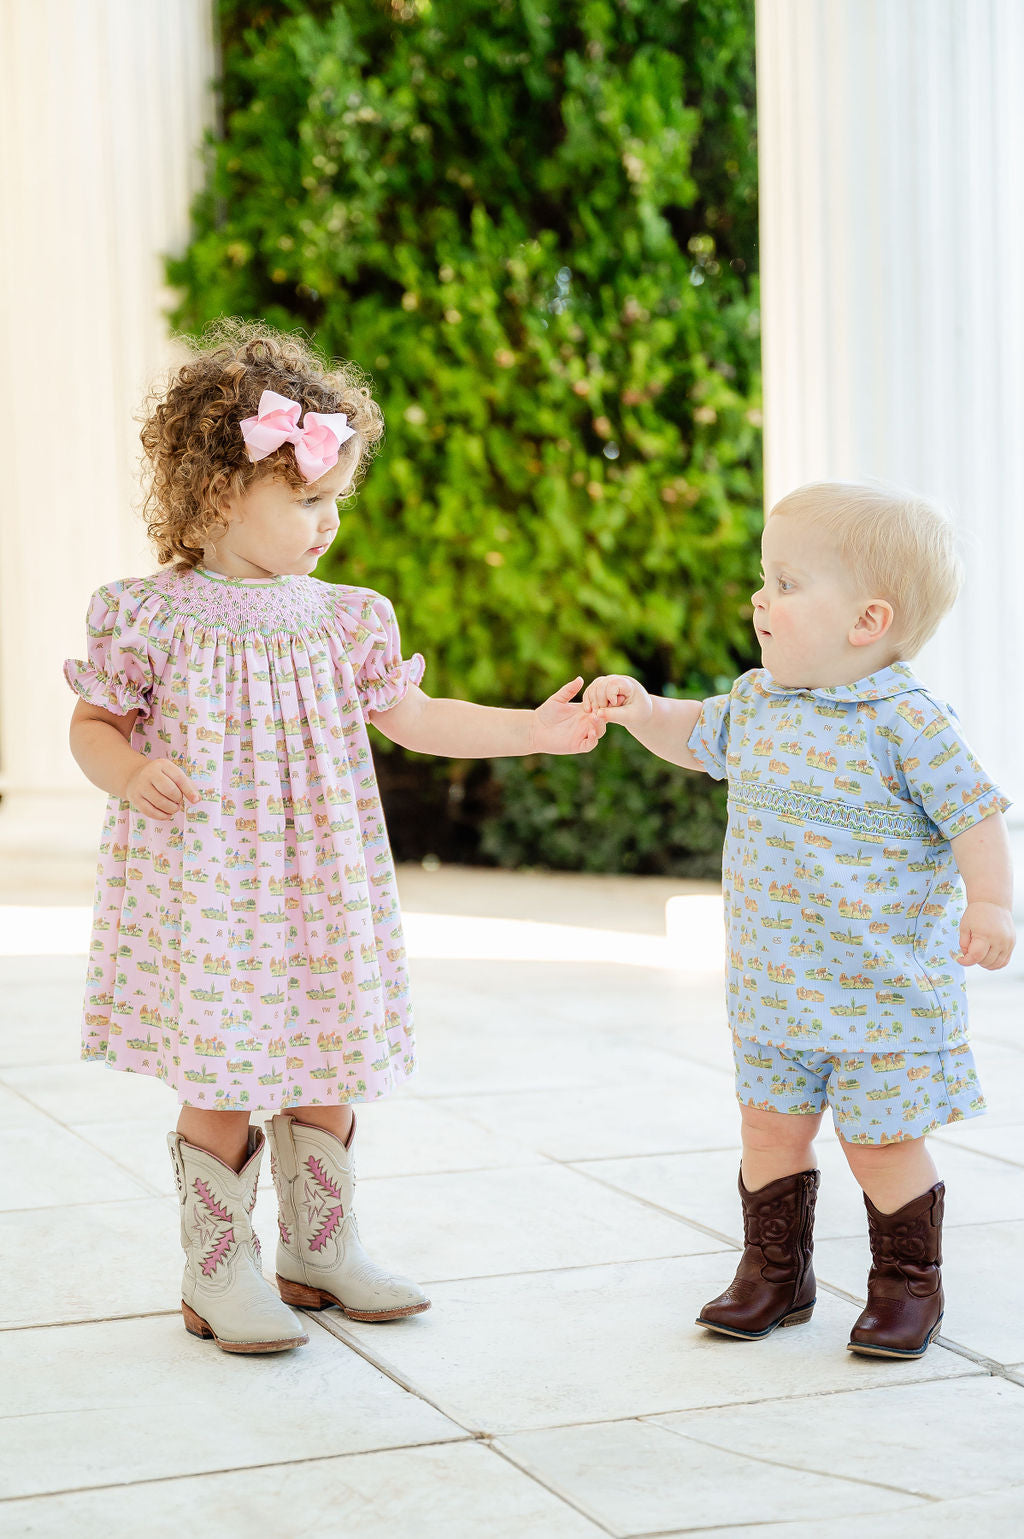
[316, 442]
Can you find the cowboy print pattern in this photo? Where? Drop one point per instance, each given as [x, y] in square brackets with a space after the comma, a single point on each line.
[249, 950]
[842, 897]
[876, 1098]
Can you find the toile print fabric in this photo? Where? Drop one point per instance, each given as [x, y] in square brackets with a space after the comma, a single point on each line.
[842, 898]
[249, 950]
[876, 1098]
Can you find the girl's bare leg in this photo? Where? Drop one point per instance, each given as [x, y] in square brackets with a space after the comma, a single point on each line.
[224, 1134]
[892, 1174]
[333, 1119]
[776, 1144]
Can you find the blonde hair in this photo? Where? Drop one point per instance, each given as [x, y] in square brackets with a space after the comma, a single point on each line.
[896, 544]
[193, 445]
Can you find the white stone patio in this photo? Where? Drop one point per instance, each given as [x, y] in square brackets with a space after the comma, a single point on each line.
[562, 1174]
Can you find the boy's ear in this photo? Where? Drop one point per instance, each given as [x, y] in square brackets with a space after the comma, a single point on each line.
[873, 622]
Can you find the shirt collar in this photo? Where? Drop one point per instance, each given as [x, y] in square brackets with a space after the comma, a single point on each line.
[899, 679]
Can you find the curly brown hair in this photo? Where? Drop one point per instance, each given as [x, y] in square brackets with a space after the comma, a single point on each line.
[194, 451]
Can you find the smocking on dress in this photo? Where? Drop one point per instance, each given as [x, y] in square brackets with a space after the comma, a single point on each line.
[249, 950]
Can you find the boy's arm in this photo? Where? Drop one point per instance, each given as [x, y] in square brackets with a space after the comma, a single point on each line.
[664, 726]
[982, 855]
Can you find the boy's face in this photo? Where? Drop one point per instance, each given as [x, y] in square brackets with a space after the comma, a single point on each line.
[813, 624]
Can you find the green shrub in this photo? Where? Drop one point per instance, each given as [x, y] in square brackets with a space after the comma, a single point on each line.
[535, 226]
[617, 809]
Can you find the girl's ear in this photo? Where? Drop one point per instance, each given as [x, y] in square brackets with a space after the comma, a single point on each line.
[873, 622]
[219, 495]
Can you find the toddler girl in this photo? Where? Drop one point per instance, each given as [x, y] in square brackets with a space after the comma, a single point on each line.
[855, 807]
[247, 944]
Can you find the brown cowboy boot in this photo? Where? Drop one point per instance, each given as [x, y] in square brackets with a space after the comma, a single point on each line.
[905, 1302]
[774, 1282]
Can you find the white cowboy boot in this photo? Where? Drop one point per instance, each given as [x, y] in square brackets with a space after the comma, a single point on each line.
[320, 1259]
[223, 1292]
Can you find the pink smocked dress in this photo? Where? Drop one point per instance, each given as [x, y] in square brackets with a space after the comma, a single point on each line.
[249, 949]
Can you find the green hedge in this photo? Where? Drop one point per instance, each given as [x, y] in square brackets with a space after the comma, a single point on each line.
[536, 226]
[617, 809]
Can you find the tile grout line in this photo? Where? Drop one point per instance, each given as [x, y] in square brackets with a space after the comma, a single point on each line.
[643, 1418]
[727, 1405]
[664, 1154]
[796, 1469]
[1002, 1159]
[63, 1325]
[337, 1330]
[560, 1496]
[988, 1364]
[67, 1128]
[985, 1364]
[236, 1469]
[648, 1202]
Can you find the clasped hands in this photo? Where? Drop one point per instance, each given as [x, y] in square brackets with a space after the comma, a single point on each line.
[562, 726]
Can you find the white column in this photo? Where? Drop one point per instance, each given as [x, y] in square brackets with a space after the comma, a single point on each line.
[892, 227]
[102, 111]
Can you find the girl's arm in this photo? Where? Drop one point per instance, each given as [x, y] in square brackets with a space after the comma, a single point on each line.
[457, 729]
[99, 743]
[664, 726]
[982, 854]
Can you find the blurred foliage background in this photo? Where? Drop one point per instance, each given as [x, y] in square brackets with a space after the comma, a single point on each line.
[535, 225]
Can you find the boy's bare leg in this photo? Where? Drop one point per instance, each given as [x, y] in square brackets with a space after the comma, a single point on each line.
[773, 1286]
[224, 1134]
[892, 1174]
[776, 1144]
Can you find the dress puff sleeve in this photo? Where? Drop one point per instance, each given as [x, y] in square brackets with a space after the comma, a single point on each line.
[117, 673]
[941, 773]
[382, 675]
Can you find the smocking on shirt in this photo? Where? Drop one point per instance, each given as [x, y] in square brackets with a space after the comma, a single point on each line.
[800, 808]
[287, 606]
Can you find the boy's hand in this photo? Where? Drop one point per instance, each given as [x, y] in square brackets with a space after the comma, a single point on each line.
[614, 697]
[987, 936]
[158, 788]
[561, 727]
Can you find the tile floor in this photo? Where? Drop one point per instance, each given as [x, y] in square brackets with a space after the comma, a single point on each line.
[562, 1174]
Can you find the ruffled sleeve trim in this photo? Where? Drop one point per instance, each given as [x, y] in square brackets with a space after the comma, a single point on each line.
[117, 673]
[374, 645]
[393, 686]
[106, 690]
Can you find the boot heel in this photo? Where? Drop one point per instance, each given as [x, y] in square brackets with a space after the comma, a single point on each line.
[799, 1317]
[301, 1297]
[193, 1324]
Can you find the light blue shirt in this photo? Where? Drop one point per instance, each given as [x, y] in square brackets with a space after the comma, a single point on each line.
[842, 898]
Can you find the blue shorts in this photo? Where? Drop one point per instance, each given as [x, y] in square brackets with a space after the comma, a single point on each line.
[876, 1098]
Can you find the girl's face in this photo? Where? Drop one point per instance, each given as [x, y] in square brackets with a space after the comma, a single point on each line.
[276, 529]
[814, 625]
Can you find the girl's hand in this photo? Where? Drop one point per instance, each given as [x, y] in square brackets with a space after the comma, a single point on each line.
[987, 936]
[158, 788]
[560, 727]
[614, 697]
